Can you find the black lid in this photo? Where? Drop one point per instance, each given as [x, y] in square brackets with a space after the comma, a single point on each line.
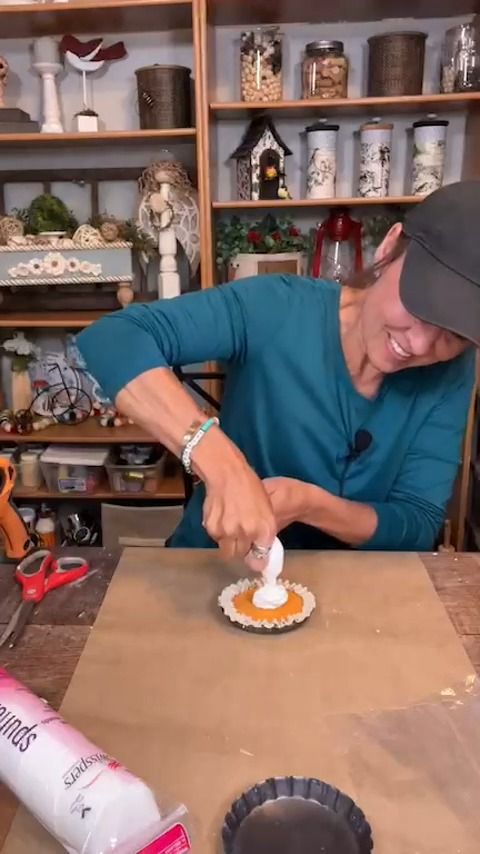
[319, 125]
[426, 123]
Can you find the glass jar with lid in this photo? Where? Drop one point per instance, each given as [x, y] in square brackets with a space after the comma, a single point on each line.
[460, 64]
[261, 64]
[325, 70]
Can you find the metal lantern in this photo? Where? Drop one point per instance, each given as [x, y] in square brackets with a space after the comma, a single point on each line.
[338, 247]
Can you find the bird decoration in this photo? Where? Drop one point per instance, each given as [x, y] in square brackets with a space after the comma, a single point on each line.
[283, 191]
[87, 57]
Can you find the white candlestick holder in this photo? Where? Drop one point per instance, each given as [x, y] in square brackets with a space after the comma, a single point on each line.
[48, 72]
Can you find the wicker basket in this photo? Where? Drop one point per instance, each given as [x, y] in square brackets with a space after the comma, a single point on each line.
[164, 99]
[395, 64]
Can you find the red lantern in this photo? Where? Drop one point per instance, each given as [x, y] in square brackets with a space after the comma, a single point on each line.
[338, 247]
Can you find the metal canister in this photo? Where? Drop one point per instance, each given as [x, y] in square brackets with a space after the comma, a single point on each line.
[321, 160]
[375, 154]
[429, 141]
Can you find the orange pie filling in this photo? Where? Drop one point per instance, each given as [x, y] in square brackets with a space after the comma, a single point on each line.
[243, 603]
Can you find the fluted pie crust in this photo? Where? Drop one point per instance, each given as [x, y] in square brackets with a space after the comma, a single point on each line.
[236, 603]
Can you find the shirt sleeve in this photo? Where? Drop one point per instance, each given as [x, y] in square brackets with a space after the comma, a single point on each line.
[226, 323]
[411, 518]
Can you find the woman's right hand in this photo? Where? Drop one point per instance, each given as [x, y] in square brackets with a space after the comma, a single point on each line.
[237, 512]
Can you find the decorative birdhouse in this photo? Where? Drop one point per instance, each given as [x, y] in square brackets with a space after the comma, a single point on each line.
[261, 162]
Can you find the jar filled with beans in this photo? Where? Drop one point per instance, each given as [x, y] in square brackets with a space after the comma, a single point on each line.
[325, 70]
[261, 64]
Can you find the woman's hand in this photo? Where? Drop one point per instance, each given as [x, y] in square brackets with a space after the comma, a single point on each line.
[288, 499]
[237, 511]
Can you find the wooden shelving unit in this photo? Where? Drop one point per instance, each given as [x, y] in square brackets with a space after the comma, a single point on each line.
[87, 433]
[221, 105]
[94, 16]
[347, 106]
[171, 489]
[315, 203]
[49, 320]
[107, 137]
[223, 109]
[239, 13]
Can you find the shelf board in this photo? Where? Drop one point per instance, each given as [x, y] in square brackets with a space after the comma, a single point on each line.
[88, 433]
[236, 12]
[103, 137]
[94, 16]
[50, 319]
[347, 106]
[171, 489]
[315, 203]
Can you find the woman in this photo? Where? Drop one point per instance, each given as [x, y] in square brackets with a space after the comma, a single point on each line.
[344, 407]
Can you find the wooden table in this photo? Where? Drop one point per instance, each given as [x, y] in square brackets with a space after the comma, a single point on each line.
[48, 652]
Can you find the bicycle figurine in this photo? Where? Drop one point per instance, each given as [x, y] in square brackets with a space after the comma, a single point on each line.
[64, 401]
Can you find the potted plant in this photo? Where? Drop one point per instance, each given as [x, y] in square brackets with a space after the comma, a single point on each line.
[22, 352]
[376, 227]
[265, 246]
[47, 214]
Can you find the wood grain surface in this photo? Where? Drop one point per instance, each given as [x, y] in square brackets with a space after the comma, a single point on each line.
[49, 651]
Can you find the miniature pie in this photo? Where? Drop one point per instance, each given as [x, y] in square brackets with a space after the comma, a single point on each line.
[237, 603]
[267, 605]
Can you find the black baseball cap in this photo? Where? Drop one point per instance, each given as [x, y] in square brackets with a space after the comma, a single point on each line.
[440, 279]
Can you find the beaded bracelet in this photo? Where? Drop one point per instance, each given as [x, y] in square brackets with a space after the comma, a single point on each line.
[192, 438]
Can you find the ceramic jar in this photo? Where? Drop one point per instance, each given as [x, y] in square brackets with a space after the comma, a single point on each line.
[375, 154]
[261, 65]
[321, 160]
[429, 140]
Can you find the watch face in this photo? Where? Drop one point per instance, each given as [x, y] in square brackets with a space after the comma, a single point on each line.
[294, 826]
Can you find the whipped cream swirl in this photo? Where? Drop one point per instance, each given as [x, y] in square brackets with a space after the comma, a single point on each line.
[271, 594]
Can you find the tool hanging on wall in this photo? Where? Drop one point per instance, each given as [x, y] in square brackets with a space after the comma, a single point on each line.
[18, 540]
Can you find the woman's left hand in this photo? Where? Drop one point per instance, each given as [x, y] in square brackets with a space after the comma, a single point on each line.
[288, 500]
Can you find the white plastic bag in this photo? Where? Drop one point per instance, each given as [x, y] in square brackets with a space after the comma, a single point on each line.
[82, 796]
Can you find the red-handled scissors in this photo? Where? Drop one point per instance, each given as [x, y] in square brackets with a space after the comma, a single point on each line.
[38, 574]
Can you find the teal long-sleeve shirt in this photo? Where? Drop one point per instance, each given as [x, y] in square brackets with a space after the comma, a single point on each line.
[289, 401]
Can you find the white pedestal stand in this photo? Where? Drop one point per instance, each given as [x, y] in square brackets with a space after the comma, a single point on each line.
[48, 71]
[168, 277]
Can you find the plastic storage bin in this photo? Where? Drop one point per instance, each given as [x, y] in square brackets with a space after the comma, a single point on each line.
[74, 468]
[128, 477]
